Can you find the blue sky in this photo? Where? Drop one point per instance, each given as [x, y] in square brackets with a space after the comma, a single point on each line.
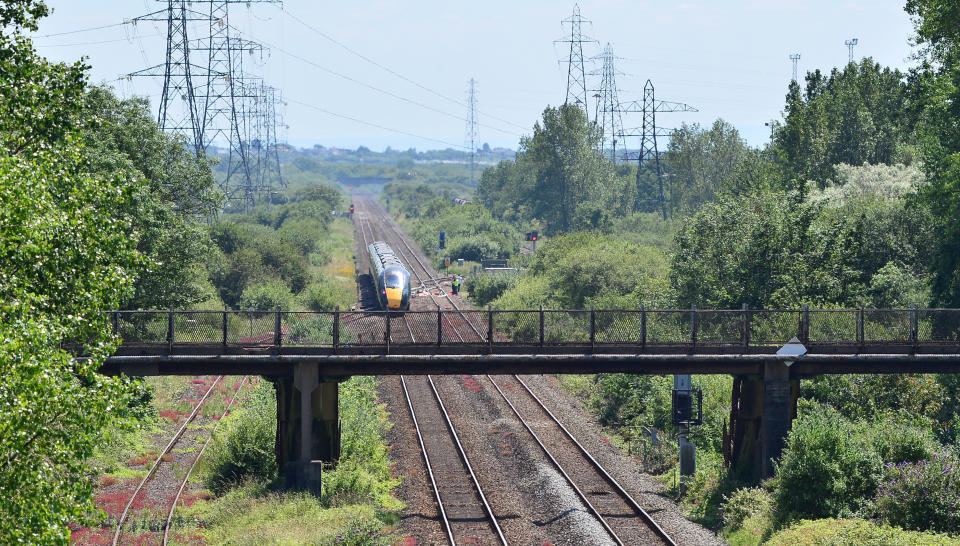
[729, 59]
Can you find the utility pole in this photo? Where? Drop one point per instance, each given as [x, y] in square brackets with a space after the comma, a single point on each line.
[850, 43]
[608, 113]
[471, 139]
[648, 143]
[794, 59]
[178, 112]
[576, 77]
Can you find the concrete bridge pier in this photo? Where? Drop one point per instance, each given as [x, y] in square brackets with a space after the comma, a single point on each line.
[308, 425]
[763, 408]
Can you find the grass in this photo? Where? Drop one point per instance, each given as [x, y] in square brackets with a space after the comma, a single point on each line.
[253, 514]
[339, 245]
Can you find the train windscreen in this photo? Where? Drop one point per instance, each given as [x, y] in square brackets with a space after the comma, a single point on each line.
[393, 280]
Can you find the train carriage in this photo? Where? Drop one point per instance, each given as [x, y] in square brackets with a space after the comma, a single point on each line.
[390, 277]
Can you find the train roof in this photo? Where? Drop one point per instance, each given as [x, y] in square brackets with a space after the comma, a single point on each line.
[385, 254]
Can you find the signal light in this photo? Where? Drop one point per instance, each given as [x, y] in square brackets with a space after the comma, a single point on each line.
[533, 238]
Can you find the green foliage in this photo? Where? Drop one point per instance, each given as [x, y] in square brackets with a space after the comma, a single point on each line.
[267, 296]
[253, 514]
[704, 162]
[870, 396]
[486, 287]
[780, 250]
[67, 256]
[242, 448]
[841, 532]
[828, 468]
[869, 181]
[558, 178]
[172, 192]
[324, 295]
[921, 495]
[745, 503]
[855, 115]
[471, 233]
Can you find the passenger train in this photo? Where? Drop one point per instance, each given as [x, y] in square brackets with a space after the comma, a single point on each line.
[390, 278]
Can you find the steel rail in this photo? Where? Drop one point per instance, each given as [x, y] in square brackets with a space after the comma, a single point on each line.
[183, 485]
[583, 497]
[426, 460]
[466, 461]
[630, 500]
[412, 253]
[156, 464]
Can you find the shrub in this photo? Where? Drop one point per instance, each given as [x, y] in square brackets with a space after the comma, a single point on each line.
[828, 467]
[243, 446]
[921, 495]
[745, 503]
[266, 296]
[839, 532]
[322, 295]
[485, 288]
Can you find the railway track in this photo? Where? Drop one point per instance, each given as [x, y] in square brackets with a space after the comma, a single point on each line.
[165, 458]
[465, 513]
[617, 511]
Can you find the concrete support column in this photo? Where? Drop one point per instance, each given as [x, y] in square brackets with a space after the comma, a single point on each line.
[308, 426]
[777, 415]
[765, 408]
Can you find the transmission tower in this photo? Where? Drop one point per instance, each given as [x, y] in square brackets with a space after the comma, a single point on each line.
[576, 78]
[471, 139]
[850, 43]
[794, 59]
[224, 112]
[649, 156]
[607, 112]
[178, 111]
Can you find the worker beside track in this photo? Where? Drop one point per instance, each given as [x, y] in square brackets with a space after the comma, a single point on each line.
[456, 284]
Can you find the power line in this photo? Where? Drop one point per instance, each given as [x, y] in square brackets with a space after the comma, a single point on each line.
[372, 87]
[391, 71]
[76, 44]
[78, 31]
[472, 125]
[376, 125]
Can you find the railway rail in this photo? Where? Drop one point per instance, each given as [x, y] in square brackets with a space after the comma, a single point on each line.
[164, 458]
[465, 513]
[616, 510]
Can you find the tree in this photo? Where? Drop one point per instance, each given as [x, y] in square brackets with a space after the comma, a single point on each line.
[937, 83]
[66, 258]
[856, 115]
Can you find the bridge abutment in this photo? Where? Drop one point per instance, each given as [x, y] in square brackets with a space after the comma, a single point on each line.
[764, 408]
[308, 425]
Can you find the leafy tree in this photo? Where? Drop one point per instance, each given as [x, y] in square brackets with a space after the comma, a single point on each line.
[67, 257]
[855, 115]
[937, 90]
[558, 178]
[703, 162]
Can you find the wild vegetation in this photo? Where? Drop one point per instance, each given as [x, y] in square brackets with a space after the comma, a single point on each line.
[853, 203]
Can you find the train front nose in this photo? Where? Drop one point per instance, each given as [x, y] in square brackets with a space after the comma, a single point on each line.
[394, 297]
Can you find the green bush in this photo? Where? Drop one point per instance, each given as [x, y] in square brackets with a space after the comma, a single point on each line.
[745, 503]
[828, 468]
[323, 295]
[267, 296]
[842, 532]
[485, 288]
[243, 446]
[921, 495]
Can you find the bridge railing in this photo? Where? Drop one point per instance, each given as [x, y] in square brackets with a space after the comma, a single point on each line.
[540, 327]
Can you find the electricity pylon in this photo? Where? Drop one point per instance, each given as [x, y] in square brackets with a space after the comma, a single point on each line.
[649, 156]
[607, 114]
[471, 139]
[178, 112]
[576, 76]
[794, 59]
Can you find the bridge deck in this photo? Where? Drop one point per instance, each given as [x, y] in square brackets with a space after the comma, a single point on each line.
[539, 341]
